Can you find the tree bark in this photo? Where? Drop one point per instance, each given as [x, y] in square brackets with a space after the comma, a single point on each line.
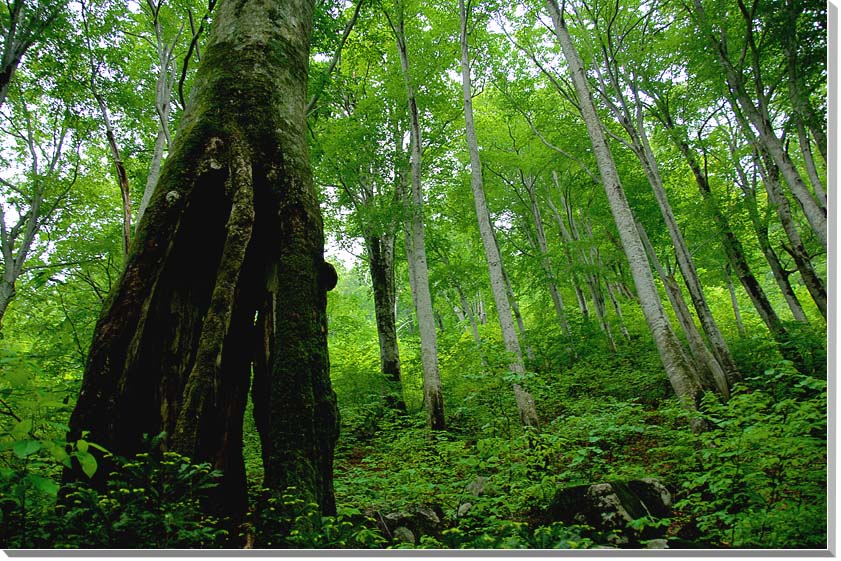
[757, 115]
[681, 374]
[731, 244]
[804, 113]
[546, 261]
[432, 390]
[116, 156]
[781, 276]
[27, 24]
[777, 198]
[591, 277]
[711, 374]
[566, 240]
[525, 404]
[381, 265]
[167, 77]
[634, 125]
[232, 232]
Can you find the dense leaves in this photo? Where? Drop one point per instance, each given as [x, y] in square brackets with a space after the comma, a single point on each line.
[678, 82]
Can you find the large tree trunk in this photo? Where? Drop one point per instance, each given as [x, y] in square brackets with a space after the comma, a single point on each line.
[525, 404]
[433, 397]
[681, 374]
[232, 232]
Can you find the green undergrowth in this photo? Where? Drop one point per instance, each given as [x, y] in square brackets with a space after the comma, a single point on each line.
[756, 478]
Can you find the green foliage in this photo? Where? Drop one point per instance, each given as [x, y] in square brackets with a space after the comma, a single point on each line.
[288, 522]
[758, 477]
[755, 478]
[154, 500]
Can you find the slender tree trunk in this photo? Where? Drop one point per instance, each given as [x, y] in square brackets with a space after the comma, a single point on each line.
[596, 260]
[777, 198]
[433, 395]
[122, 175]
[153, 175]
[731, 244]
[7, 294]
[26, 24]
[734, 302]
[809, 163]
[471, 317]
[464, 310]
[767, 138]
[16, 240]
[781, 276]
[518, 317]
[525, 403]
[618, 309]
[591, 278]
[232, 232]
[381, 265]
[481, 313]
[167, 76]
[116, 157]
[712, 375]
[681, 374]
[566, 240]
[546, 261]
[633, 123]
[798, 93]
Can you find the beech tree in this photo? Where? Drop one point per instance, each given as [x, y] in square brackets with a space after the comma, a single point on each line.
[525, 402]
[232, 233]
[415, 240]
[682, 375]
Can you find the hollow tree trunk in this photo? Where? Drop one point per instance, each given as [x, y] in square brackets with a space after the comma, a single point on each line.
[232, 232]
[681, 374]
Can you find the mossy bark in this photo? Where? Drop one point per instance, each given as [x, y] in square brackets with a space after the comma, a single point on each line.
[232, 233]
